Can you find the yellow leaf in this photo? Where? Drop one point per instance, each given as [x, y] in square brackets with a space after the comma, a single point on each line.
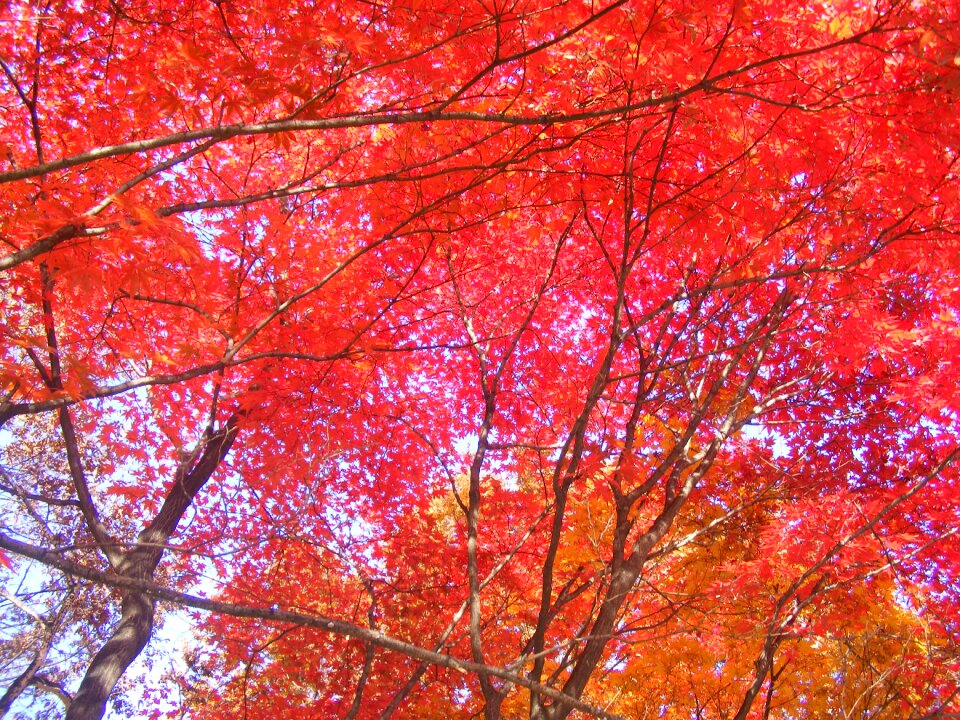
[840, 26]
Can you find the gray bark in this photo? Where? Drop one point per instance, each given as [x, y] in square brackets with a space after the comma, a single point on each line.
[133, 631]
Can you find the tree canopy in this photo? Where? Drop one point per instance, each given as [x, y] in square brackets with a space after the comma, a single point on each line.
[488, 358]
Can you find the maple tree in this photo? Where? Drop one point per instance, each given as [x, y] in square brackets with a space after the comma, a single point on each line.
[482, 359]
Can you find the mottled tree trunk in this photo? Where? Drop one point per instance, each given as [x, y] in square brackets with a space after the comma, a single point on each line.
[127, 641]
[133, 631]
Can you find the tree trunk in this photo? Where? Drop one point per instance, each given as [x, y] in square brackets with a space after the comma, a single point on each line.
[127, 641]
[133, 631]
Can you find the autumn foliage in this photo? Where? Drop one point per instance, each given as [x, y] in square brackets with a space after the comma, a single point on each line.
[482, 358]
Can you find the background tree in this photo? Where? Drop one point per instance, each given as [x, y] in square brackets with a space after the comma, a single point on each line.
[503, 359]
